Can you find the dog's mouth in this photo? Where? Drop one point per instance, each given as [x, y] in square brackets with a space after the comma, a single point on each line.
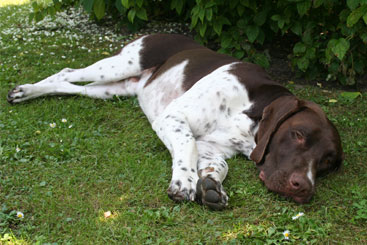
[282, 188]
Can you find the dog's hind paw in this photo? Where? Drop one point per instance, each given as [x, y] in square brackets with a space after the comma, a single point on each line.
[15, 93]
[210, 193]
[20, 93]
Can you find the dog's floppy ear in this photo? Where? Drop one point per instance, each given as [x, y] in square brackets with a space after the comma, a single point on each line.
[273, 116]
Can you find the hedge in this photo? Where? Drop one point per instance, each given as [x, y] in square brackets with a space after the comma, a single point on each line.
[328, 37]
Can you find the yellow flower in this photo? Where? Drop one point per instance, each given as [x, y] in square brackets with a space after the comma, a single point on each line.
[52, 125]
[286, 234]
[20, 215]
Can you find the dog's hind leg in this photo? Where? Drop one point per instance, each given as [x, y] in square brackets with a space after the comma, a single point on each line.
[122, 66]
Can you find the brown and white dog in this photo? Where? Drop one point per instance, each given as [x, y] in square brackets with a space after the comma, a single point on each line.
[207, 107]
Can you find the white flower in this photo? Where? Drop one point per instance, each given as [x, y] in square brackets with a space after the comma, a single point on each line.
[286, 234]
[70, 126]
[20, 215]
[52, 125]
[17, 149]
[64, 120]
[300, 214]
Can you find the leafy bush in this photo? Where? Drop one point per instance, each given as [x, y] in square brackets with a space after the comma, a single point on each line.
[325, 36]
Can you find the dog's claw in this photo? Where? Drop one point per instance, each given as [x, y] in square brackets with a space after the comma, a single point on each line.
[210, 193]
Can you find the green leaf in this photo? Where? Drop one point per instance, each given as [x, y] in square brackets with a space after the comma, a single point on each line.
[363, 37]
[299, 48]
[239, 54]
[226, 41]
[365, 18]
[131, 15]
[303, 63]
[303, 7]
[317, 3]
[225, 21]
[194, 21]
[241, 23]
[88, 5]
[311, 53]
[209, 14]
[99, 8]
[261, 60]
[218, 27]
[252, 32]
[297, 28]
[119, 7]
[139, 3]
[352, 4]
[261, 37]
[351, 95]
[240, 10]
[356, 15]
[142, 14]
[202, 15]
[125, 3]
[202, 29]
[260, 18]
[341, 48]
[281, 24]
[276, 17]
[209, 4]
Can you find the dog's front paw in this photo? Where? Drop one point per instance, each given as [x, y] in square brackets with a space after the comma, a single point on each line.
[180, 190]
[210, 193]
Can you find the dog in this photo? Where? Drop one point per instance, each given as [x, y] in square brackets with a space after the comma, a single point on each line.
[206, 107]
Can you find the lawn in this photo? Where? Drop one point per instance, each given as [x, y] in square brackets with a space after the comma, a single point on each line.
[85, 171]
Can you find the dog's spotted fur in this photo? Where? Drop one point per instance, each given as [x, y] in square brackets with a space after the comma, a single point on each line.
[204, 106]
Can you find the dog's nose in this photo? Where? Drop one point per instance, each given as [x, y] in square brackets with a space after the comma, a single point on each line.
[299, 183]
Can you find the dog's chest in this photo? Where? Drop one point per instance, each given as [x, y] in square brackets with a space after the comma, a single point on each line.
[213, 107]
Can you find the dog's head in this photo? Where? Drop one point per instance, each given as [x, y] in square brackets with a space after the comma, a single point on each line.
[295, 143]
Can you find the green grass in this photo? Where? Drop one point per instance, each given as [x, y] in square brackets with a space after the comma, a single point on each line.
[64, 179]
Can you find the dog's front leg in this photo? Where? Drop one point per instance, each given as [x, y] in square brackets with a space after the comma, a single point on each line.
[174, 131]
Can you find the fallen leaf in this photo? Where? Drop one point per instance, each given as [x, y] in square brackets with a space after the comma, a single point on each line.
[107, 214]
[351, 95]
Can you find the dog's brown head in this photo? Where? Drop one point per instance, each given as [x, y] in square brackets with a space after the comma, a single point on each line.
[295, 143]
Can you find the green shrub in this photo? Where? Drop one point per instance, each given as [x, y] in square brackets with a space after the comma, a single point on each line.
[327, 37]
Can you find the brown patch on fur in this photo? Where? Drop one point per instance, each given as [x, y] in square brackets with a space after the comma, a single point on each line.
[158, 48]
[261, 89]
[207, 170]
